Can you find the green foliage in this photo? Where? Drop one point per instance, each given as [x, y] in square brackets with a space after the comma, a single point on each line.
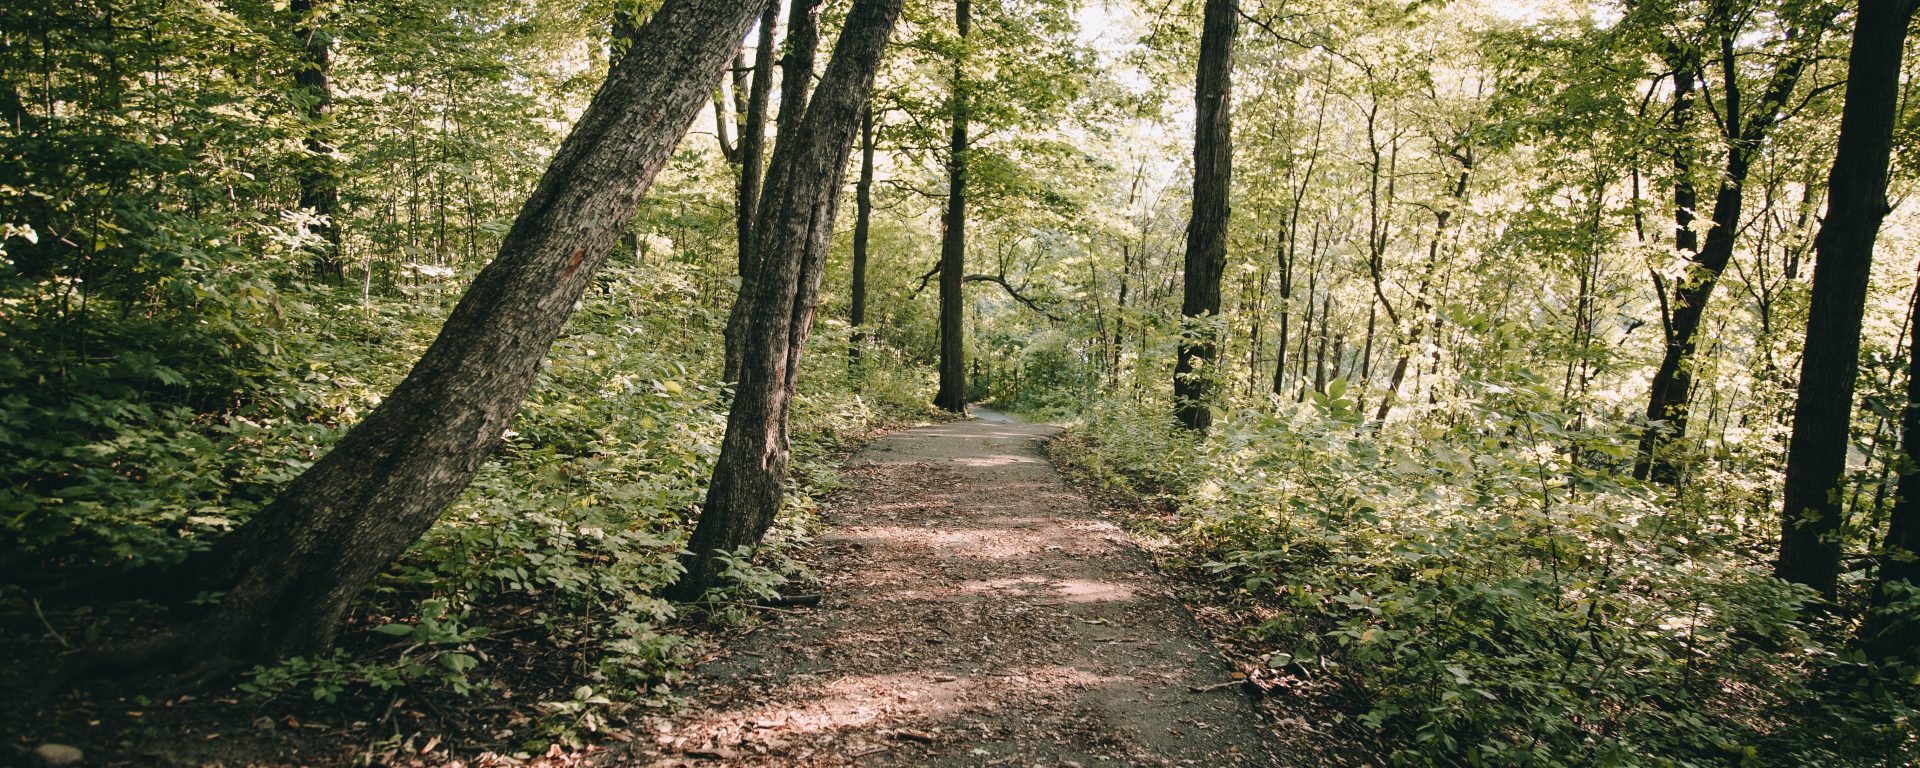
[1493, 593]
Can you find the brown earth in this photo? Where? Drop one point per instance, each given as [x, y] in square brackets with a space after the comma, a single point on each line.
[978, 612]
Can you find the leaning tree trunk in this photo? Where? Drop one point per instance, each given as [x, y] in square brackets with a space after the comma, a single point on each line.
[862, 223]
[795, 79]
[292, 570]
[795, 224]
[1856, 204]
[1194, 380]
[319, 175]
[952, 395]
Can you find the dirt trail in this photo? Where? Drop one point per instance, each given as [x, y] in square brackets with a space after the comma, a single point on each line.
[977, 612]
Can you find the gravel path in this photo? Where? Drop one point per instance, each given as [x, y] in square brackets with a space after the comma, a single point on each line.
[978, 612]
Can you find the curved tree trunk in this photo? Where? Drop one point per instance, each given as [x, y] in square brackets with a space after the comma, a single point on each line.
[295, 567]
[1856, 204]
[952, 395]
[1194, 380]
[791, 237]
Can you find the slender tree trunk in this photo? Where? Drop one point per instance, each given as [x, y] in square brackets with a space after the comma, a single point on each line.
[862, 223]
[952, 395]
[290, 572]
[1286, 313]
[1423, 303]
[319, 175]
[792, 234]
[1320, 358]
[796, 78]
[1194, 379]
[753, 135]
[1856, 204]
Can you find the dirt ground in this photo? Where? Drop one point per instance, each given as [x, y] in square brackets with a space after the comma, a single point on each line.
[977, 612]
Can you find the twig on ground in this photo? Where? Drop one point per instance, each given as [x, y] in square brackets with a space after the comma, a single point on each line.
[49, 625]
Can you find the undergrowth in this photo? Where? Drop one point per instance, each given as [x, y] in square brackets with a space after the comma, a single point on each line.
[1489, 589]
[138, 448]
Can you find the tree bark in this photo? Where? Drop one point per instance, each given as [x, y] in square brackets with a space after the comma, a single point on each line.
[1856, 203]
[792, 234]
[862, 224]
[291, 572]
[952, 395]
[796, 78]
[319, 175]
[1194, 380]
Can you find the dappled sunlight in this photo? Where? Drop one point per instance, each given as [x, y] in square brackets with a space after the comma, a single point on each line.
[998, 460]
[874, 704]
[975, 612]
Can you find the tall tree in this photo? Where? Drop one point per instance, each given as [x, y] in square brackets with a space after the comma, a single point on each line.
[1193, 375]
[319, 175]
[793, 231]
[1856, 204]
[952, 395]
[288, 575]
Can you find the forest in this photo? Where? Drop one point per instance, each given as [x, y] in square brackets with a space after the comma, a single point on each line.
[959, 382]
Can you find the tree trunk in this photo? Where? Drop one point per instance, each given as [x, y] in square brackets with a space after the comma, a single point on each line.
[795, 79]
[1856, 204]
[1194, 379]
[291, 572]
[1320, 358]
[1888, 632]
[319, 175]
[791, 238]
[1286, 312]
[1423, 301]
[952, 395]
[862, 222]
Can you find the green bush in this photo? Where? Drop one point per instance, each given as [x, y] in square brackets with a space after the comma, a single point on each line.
[1493, 601]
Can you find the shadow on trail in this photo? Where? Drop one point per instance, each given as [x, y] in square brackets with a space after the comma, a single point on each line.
[977, 612]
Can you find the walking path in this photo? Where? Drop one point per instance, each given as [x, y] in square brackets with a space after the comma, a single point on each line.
[977, 612]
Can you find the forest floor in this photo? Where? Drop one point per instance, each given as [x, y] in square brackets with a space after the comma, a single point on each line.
[977, 611]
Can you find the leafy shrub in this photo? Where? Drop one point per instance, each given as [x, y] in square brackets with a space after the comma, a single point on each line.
[1494, 600]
